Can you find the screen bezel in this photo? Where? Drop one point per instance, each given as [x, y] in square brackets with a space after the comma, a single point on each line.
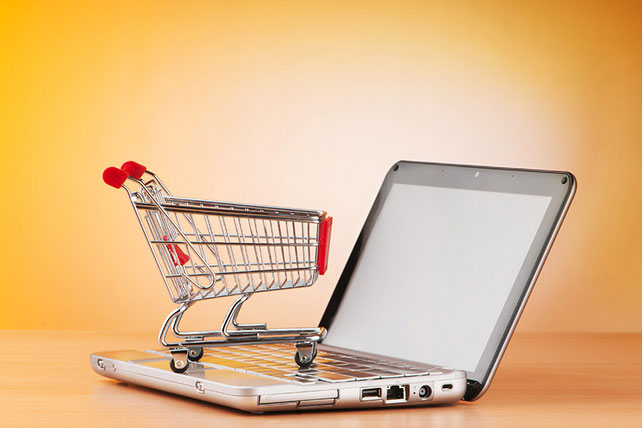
[558, 185]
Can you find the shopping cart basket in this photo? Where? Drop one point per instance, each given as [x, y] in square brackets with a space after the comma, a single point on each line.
[207, 249]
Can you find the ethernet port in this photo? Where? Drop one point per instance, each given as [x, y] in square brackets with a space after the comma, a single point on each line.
[396, 393]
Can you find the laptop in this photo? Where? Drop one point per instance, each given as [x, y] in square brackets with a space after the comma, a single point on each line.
[422, 313]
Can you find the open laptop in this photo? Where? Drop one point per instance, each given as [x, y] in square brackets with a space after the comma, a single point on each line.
[422, 312]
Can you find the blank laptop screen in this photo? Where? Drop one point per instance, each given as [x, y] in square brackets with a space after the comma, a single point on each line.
[435, 273]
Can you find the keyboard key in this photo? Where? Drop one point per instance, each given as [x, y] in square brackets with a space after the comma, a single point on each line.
[274, 373]
[224, 362]
[355, 374]
[334, 377]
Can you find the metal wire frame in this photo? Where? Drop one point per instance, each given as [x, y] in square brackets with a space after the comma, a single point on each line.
[232, 248]
[206, 249]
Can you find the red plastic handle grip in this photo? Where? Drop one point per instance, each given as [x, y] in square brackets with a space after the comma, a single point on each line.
[325, 230]
[176, 250]
[114, 177]
[134, 169]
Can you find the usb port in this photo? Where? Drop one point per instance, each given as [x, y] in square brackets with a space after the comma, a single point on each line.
[396, 393]
[447, 387]
[371, 393]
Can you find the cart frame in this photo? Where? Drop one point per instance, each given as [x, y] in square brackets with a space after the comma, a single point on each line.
[184, 273]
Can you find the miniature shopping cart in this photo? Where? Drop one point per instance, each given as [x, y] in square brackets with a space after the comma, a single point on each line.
[206, 249]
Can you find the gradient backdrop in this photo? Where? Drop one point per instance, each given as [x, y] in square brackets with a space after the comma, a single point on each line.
[307, 104]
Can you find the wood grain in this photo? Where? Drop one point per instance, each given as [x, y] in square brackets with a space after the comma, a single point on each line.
[555, 380]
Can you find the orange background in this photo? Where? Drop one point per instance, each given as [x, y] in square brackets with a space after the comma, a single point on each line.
[307, 104]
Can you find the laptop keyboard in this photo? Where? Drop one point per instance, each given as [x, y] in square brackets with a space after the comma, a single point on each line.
[276, 361]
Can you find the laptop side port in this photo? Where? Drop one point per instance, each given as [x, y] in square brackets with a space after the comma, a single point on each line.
[370, 394]
[447, 387]
[396, 393]
[424, 392]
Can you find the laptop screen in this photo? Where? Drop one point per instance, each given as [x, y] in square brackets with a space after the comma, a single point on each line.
[435, 273]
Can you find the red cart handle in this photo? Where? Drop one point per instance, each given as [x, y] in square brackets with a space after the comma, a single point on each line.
[134, 169]
[115, 177]
[325, 230]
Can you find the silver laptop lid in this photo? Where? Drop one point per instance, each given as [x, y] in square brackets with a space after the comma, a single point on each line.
[445, 262]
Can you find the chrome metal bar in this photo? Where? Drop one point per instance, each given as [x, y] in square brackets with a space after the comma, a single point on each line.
[168, 218]
[267, 239]
[212, 211]
[238, 326]
[230, 252]
[285, 274]
[244, 272]
[258, 252]
[240, 206]
[232, 314]
[214, 249]
[243, 250]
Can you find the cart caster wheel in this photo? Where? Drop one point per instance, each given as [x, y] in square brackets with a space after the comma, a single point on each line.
[304, 364]
[195, 354]
[172, 365]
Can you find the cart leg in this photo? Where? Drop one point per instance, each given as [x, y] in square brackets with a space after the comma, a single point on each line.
[230, 318]
[179, 362]
[306, 352]
[171, 321]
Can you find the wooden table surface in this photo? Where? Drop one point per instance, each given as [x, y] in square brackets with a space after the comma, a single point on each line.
[552, 380]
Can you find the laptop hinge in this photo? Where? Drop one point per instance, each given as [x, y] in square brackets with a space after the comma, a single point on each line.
[472, 390]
